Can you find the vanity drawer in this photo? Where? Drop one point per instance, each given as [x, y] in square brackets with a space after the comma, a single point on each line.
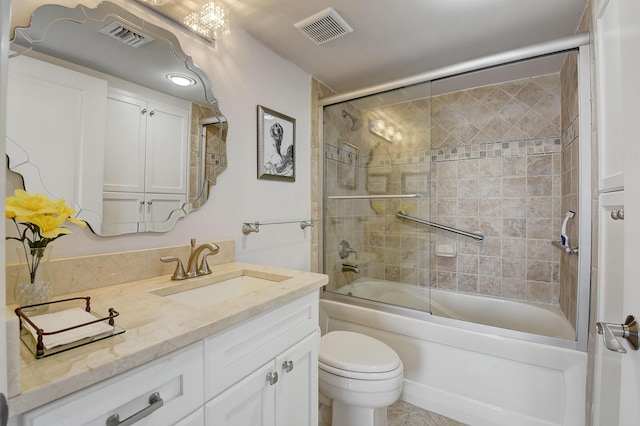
[177, 378]
[235, 353]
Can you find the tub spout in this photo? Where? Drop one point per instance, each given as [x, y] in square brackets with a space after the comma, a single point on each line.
[348, 267]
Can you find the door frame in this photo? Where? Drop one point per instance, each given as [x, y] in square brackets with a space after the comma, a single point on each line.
[5, 25]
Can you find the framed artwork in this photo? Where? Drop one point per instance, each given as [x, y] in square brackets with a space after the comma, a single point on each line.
[276, 145]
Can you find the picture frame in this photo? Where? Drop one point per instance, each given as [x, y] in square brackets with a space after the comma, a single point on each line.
[276, 145]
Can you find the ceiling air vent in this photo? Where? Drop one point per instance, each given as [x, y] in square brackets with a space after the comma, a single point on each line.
[324, 26]
[126, 35]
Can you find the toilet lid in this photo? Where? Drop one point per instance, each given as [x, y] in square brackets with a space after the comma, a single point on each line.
[356, 352]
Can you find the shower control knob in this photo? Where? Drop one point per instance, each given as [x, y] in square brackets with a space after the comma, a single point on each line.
[610, 332]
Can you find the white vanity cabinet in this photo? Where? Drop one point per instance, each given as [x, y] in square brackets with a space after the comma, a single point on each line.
[262, 371]
[176, 378]
[282, 392]
[145, 160]
[265, 371]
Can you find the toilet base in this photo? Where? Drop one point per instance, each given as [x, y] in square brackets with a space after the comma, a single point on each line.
[349, 415]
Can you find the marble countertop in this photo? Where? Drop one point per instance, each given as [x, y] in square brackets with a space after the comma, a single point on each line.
[154, 326]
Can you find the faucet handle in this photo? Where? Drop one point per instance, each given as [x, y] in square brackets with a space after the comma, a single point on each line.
[179, 273]
[344, 249]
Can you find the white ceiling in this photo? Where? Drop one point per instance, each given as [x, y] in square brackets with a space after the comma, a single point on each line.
[395, 39]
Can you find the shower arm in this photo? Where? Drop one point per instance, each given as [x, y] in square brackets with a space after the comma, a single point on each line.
[478, 236]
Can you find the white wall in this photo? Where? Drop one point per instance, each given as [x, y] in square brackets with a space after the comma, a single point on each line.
[244, 74]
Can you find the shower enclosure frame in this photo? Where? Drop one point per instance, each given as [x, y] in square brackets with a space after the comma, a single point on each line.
[578, 43]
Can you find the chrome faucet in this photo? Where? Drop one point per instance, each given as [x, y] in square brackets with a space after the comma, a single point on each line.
[348, 267]
[192, 264]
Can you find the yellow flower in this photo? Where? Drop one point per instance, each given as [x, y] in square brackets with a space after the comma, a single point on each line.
[24, 204]
[49, 225]
[63, 209]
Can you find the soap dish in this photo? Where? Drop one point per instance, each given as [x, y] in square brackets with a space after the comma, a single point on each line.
[69, 333]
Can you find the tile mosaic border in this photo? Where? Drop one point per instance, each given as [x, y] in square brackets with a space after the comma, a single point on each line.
[516, 148]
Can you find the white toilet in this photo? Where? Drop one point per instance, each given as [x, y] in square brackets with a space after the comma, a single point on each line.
[361, 375]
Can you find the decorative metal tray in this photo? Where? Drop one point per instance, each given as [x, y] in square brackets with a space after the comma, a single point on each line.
[36, 344]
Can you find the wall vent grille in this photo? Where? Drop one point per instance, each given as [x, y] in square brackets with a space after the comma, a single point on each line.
[126, 35]
[324, 26]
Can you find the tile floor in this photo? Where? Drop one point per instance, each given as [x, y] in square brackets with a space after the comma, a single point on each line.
[404, 414]
[401, 414]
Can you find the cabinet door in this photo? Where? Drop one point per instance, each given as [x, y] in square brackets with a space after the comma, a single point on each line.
[614, 95]
[176, 377]
[122, 211]
[167, 149]
[297, 390]
[250, 402]
[234, 354]
[55, 130]
[194, 419]
[124, 151]
[162, 211]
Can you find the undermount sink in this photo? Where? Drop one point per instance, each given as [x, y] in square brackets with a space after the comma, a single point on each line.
[203, 292]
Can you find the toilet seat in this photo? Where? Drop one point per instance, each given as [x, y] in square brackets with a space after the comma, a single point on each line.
[357, 356]
[385, 375]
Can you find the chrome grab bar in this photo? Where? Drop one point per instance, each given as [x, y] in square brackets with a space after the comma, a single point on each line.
[565, 248]
[478, 236]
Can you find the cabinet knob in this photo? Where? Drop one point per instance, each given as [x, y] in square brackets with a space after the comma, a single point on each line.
[149, 202]
[151, 113]
[287, 366]
[617, 214]
[144, 111]
[141, 202]
[272, 378]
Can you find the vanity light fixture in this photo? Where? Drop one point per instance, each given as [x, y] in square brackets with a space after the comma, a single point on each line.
[214, 16]
[181, 80]
[193, 21]
[207, 18]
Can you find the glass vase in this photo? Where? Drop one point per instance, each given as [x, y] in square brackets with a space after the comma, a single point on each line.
[33, 283]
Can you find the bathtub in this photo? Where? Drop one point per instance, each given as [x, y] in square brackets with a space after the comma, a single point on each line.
[526, 317]
[469, 372]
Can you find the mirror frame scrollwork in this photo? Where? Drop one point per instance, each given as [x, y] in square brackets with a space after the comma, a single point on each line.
[208, 130]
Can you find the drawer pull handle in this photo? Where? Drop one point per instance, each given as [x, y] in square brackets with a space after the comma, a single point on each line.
[155, 402]
[272, 378]
[287, 366]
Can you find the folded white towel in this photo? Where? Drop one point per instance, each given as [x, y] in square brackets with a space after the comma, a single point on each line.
[64, 319]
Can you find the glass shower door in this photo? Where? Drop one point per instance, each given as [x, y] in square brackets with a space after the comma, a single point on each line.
[377, 164]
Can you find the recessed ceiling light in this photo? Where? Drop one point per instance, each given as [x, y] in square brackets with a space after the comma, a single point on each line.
[181, 80]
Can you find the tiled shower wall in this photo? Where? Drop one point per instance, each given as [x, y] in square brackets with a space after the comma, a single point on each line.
[570, 188]
[496, 169]
[486, 159]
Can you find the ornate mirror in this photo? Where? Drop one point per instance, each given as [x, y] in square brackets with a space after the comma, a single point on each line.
[95, 118]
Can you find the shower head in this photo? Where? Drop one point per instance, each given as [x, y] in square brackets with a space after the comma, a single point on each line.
[356, 122]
